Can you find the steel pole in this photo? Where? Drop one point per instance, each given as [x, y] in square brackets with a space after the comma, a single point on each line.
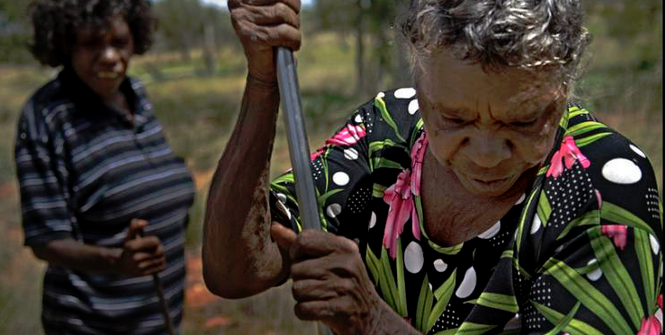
[296, 135]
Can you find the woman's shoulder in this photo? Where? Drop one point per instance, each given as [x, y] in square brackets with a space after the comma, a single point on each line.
[393, 115]
[612, 160]
[598, 176]
[45, 105]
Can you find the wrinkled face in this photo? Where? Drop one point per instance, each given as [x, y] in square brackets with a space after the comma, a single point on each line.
[489, 128]
[101, 56]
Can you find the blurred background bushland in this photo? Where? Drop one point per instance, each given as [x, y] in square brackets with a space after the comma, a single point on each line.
[194, 76]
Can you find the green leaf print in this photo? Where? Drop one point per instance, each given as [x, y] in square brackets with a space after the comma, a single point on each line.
[575, 111]
[642, 243]
[584, 127]
[419, 211]
[470, 328]
[416, 131]
[588, 295]
[589, 218]
[508, 253]
[616, 275]
[616, 214]
[559, 326]
[373, 264]
[563, 123]
[543, 170]
[382, 162]
[324, 197]
[522, 224]
[425, 300]
[447, 332]
[379, 145]
[401, 289]
[285, 178]
[442, 295]
[590, 139]
[544, 209]
[326, 174]
[387, 282]
[378, 190]
[571, 325]
[498, 301]
[452, 250]
[284, 190]
[381, 105]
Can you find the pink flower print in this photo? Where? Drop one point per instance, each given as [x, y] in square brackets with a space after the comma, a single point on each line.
[317, 153]
[417, 156]
[568, 153]
[599, 197]
[349, 135]
[660, 301]
[650, 326]
[398, 196]
[618, 233]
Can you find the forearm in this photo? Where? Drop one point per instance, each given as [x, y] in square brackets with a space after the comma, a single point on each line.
[75, 255]
[239, 257]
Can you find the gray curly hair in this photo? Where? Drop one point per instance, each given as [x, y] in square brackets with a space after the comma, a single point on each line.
[528, 34]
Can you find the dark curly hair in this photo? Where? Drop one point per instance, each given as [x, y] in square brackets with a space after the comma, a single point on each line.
[55, 24]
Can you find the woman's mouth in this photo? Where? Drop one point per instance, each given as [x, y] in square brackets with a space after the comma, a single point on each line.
[490, 186]
[108, 74]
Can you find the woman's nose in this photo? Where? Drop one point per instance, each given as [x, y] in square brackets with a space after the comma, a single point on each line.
[486, 149]
[110, 55]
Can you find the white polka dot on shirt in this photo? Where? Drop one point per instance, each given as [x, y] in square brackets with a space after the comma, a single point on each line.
[622, 171]
[413, 106]
[341, 178]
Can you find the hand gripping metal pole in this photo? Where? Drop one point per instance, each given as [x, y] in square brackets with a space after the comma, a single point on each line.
[298, 146]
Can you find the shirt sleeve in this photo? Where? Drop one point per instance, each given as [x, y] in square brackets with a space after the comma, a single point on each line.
[341, 172]
[602, 270]
[42, 178]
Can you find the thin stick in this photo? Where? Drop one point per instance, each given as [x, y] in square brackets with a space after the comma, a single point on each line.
[159, 289]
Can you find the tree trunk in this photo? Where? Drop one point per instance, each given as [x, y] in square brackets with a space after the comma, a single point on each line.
[209, 49]
[360, 52]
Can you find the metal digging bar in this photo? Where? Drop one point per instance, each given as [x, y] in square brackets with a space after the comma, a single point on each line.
[298, 146]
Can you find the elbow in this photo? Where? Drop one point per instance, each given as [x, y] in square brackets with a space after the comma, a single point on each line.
[224, 284]
[231, 282]
[221, 280]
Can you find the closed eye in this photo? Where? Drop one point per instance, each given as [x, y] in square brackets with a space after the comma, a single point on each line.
[454, 120]
[524, 124]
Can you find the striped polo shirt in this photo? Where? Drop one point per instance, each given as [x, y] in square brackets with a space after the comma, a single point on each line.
[85, 170]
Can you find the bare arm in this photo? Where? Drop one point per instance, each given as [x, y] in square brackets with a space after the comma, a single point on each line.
[73, 254]
[239, 257]
[137, 257]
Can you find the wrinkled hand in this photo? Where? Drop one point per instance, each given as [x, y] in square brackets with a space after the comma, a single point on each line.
[141, 256]
[330, 282]
[262, 25]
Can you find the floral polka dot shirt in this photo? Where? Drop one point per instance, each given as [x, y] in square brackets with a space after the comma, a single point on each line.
[579, 253]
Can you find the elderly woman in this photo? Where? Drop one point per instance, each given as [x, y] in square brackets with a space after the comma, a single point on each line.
[95, 172]
[480, 201]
